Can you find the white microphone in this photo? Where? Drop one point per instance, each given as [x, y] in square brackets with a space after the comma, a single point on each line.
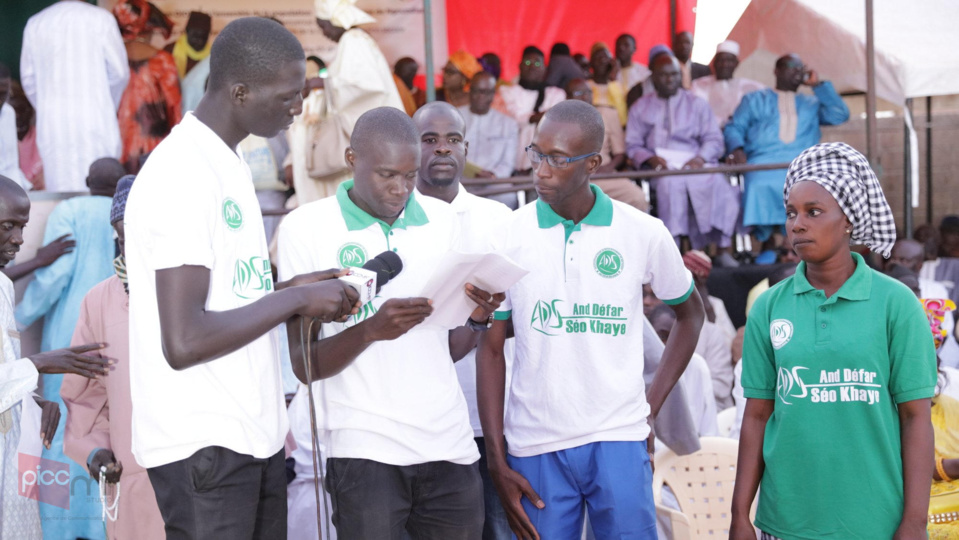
[377, 272]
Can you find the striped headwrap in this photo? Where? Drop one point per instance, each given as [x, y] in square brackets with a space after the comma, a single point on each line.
[847, 176]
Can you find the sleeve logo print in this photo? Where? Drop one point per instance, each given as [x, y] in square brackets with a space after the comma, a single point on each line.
[780, 332]
[351, 254]
[232, 214]
[608, 263]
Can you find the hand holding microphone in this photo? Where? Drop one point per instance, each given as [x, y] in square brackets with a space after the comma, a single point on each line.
[396, 316]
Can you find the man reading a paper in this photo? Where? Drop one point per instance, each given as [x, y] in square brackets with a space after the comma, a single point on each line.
[576, 422]
[392, 416]
[673, 129]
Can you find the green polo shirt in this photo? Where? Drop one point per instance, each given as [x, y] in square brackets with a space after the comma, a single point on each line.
[835, 369]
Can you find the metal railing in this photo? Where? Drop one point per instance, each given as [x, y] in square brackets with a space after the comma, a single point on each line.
[493, 186]
[522, 183]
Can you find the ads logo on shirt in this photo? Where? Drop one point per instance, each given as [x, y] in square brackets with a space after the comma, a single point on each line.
[839, 385]
[351, 254]
[232, 214]
[608, 263]
[592, 318]
[252, 278]
[780, 332]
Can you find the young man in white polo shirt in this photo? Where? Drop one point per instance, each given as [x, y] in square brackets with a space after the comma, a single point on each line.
[444, 150]
[208, 412]
[395, 424]
[577, 416]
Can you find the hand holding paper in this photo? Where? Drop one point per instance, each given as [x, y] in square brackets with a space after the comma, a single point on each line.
[490, 272]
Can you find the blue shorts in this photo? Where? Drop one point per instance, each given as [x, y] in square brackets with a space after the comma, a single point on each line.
[612, 479]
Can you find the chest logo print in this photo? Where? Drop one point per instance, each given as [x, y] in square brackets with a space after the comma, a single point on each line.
[608, 263]
[780, 332]
[232, 214]
[351, 254]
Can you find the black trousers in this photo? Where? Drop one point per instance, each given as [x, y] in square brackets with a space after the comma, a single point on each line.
[218, 493]
[438, 500]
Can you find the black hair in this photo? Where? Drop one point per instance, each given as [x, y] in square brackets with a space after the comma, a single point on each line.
[584, 115]
[249, 50]
[533, 49]
[559, 49]
[383, 125]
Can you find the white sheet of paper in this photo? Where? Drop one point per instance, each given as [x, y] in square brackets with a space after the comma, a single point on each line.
[30, 416]
[446, 287]
[675, 159]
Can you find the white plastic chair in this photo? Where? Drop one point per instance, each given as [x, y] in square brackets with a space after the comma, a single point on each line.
[703, 485]
[725, 420]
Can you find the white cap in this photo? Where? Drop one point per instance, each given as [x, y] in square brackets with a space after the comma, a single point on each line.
[342, 13]
[728, 46]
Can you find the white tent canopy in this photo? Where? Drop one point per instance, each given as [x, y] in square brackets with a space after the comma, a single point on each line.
[915, 55]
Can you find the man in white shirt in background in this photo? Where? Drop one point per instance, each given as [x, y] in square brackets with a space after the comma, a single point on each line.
[910, 254]
[630, 73]
[73, 68]
[492, 134]
[209, 418]
[721, 89]
[441, 143]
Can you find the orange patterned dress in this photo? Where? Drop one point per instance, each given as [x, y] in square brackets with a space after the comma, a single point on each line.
[150, 107]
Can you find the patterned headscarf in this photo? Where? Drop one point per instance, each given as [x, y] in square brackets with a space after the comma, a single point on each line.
[467, 64]
[847, 176]
[133, 17]
[120, 198]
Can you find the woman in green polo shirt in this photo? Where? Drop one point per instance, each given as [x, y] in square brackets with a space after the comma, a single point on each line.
[838, 372]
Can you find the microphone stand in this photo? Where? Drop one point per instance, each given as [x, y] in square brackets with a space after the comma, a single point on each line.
[306, 342]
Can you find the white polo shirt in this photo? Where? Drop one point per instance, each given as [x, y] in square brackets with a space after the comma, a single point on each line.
[193, 203]
[578, 317]
[478, 219]
[398, 402]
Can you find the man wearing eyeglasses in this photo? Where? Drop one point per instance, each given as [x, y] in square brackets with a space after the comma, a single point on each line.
[527, 100]
[578, 413]
[673, 129]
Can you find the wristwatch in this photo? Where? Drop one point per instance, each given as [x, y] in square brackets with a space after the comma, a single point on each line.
[480, 326]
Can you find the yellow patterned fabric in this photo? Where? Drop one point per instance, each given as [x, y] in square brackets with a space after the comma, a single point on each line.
[945, 495]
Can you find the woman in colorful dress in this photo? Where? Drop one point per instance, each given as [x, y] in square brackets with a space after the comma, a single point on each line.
[150, 106]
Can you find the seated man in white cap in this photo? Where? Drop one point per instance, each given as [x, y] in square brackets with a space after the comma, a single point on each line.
[358, 79]
[721, 89]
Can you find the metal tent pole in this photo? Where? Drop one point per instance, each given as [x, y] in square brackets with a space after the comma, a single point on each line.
[871, 152]
[907, 171]
[428, 50]
[929, 160]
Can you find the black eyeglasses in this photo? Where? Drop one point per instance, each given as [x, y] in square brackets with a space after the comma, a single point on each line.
[556, 162]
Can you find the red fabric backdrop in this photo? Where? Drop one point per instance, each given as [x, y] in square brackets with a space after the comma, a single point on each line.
[507, 26]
